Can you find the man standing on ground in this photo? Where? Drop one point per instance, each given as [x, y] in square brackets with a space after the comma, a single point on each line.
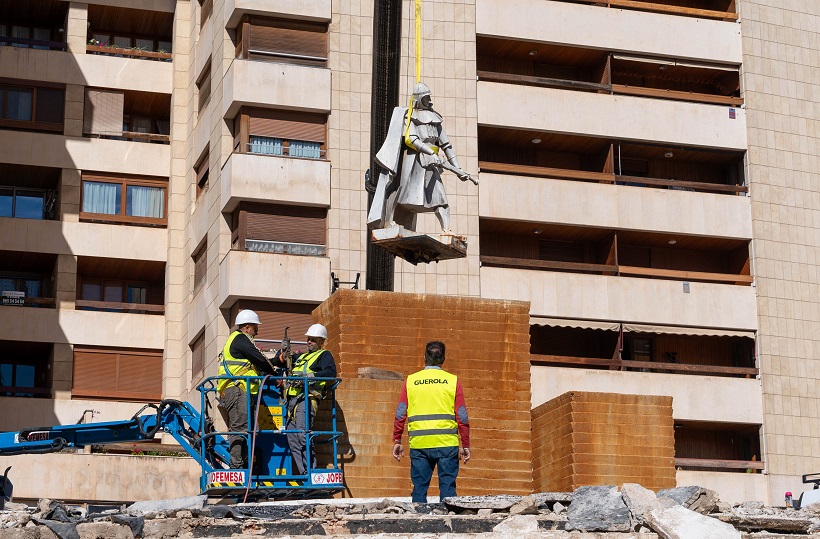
[316, 362]
[432, 402]
[240, 357]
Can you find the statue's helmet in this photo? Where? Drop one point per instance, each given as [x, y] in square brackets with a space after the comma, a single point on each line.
[420, 91]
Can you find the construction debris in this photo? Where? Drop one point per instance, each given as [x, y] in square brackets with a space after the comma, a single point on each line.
[598, 512]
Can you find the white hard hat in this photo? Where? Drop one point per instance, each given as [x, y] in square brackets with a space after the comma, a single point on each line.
[247, 317]
[317, 330]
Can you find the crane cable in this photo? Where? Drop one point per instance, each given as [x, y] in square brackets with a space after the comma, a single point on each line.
[417, 17]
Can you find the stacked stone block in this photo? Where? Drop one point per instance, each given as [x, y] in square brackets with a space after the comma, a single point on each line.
[584, 438]
[487, 347]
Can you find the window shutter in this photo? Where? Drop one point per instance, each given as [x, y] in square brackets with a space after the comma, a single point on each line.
[288, 37]
[287, 125]
[198, 355]
[292, 224]
[129, 375]
[103, 112]
[276, 316]
[200, 266]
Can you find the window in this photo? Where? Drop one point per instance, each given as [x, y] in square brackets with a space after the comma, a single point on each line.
[283, 41]
[200, 258]
[201, 172]
[95, 292]
[32, 107]
[283, 133]
[203, 85]
[28, 37]
[274, 228]
[198, 355]
[131, 201]
[32, 285]
[117, 374]
[22, 203]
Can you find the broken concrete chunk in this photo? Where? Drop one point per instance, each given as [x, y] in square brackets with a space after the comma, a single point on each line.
[552, 497]
[485, 512]
[525, 506]
[497, 503]
[167, 506]
[103, 530]
[598, 508]
[11, 506]
[637, 499]
[517, 525]
[698, 499]
[677, 522]
[558, 508]
[164, 528]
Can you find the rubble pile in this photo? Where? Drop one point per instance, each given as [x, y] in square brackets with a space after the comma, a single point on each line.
[591, 512]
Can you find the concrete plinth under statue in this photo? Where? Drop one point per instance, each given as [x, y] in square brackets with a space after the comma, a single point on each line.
[414, 247]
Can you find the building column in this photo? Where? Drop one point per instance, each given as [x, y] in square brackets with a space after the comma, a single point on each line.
[74, 110]
[69, 195]
[65, 282]
[62, 371]
[76, 27]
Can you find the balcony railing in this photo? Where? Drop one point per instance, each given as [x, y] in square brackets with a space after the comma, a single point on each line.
[615, 89]
[608, 177]
[110, 306]
[644, 366]
[106, 50]
[614, 269]
[33, 43]
[733, 465]
[37, 302]
[662, 8]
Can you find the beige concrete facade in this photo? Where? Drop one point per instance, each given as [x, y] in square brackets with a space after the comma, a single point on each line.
[774, 133]
[781, 54]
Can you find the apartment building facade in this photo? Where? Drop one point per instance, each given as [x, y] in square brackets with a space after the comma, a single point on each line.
[645, 183]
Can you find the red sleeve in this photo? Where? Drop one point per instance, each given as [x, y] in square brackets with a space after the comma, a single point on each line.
[460, 408]
[401, 415]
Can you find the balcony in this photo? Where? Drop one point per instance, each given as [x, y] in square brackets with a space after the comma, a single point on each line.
[261, 84]
[29, 26]
[120, 286]
[628, 299]
[26, 279]
[705, 9]
[602, 71]
[661, 35]
[273, 277]
[130, 33]
[313, 10]
[611, 116]
[127, 115]
[270, 178]
[584, 249]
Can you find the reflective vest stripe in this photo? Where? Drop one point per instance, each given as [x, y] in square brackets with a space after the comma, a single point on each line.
[431, 395]
[303, 363]
[430, 417]
[431, 432]
[231, 366]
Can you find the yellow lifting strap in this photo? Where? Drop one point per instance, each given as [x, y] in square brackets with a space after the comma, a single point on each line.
[417, 16]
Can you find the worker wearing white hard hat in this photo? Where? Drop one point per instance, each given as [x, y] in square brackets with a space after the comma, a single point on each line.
[240, 357]
[316, 362]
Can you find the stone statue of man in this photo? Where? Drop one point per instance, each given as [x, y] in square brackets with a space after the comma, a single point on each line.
[413, 157]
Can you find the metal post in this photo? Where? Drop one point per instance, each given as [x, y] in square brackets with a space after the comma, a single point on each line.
[384, 97]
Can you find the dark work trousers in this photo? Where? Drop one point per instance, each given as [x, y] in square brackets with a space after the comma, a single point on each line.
[422, 462]
[297, 441]
[233, 406]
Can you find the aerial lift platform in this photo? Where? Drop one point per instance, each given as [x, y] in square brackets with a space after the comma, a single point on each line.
[270, 474]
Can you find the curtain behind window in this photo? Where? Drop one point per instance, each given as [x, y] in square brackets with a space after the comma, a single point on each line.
[266, 145]
[19, 104]
[101, 198]
[145, 201]
[299, 148]
[42, 34]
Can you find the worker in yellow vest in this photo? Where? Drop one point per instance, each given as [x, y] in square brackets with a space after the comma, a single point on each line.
[240, 357]
[432, 404]
[316, 362]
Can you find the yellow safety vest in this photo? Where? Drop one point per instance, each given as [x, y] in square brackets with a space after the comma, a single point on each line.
[431, 396]
[231, 366]
[300, 368]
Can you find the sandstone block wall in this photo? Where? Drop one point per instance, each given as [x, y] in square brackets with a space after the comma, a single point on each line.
[487, 347]
[584, 438]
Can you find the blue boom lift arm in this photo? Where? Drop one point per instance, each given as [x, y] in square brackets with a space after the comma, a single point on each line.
[270, 474]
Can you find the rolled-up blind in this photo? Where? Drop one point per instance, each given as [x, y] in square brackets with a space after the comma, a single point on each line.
[287, 125]
[292, 224]
[117, 374]
[103, 113]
